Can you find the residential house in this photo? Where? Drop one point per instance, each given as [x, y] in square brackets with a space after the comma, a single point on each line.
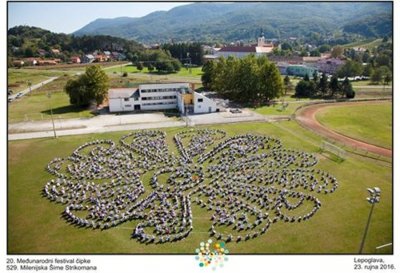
[329, 66]
[88, 58]
[55, 51]
[75, 60]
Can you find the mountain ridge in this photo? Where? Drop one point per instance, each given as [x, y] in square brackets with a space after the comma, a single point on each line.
[237, 21]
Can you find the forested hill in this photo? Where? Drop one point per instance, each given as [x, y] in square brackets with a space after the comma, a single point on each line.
[243, 21]
[25, 41]
[371, 26]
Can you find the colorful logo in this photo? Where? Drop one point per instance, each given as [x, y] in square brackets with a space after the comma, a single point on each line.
[211, 254]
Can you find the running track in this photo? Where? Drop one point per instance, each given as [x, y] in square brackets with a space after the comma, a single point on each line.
[306, 117]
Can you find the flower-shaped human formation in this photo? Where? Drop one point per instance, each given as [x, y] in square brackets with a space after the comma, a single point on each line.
[247, 182]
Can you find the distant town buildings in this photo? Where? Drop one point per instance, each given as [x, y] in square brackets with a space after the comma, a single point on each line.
[240, 51]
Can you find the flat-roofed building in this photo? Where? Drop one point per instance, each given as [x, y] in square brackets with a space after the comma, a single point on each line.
[164, 96]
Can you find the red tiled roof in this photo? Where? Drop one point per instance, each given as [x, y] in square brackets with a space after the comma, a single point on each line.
[238, 49]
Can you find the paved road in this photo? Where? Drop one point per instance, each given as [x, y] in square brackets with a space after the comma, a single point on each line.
[307, 118]
[112, 123]
[33, 87]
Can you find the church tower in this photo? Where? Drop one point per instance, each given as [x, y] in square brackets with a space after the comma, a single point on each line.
[261, 39]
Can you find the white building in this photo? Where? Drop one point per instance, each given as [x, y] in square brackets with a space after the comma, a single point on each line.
[261, 48]
[160, 97]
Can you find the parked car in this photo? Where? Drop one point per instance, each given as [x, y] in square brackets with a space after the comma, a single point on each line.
[10, 99]
[9, 92]
[235, 111]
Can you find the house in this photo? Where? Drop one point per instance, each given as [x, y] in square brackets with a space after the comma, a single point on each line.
[55, 51]
[99, 58]
[178, 96]
[300, 70]
[329, 66]
[261, 48]
[30, 61]
[75, 60]
[18, 63]
[209, 57]
[88, 58]
[42, 52]
[47, 62]
[118, 56]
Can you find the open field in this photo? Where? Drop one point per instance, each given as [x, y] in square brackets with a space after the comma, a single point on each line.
[35, 226]
[37, 104]
[192, 72]
[75, 67]
[278, 109]
[18, 79]
[369, 123]
[368, 44]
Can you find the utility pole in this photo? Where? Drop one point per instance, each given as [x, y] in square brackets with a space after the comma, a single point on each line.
[51, 114]
[374, 198]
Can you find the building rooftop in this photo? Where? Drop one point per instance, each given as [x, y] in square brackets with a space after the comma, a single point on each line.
[118, 93]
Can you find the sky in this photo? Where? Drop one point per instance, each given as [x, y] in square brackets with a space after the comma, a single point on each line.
[68, 17]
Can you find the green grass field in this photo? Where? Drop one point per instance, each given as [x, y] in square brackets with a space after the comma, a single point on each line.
[370, 123]
[18, 79]
[35, 226]
[37, 104]
[368, 44]
[184, 72]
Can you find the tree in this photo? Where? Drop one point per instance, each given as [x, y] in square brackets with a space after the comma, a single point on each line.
[208, 73]
[350, 69]
[305, 89]
[315, 77]
[139, 66]
[315, 53]
[91, 86]
[368, 70]
[288, 85]
[324, 48]
[334, 86]
[347, 89]
[306, 77]
[248, 80]
[337, 52]
[286, 46]
[323, 84]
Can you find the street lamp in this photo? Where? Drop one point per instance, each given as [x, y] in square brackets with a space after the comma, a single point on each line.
[375, 195]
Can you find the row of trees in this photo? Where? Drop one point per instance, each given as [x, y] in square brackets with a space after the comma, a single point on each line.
[186, 52]
[248, 80]
[376, 63]
[321, 86]
[160, 60]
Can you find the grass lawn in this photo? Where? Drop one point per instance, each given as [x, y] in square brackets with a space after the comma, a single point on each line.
[36, 106]
[184, 72]
[278, 109]
[35, 226]
[18, 79]
[369, 123]
[368, 44]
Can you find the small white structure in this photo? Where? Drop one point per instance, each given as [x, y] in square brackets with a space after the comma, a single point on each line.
[160, 97]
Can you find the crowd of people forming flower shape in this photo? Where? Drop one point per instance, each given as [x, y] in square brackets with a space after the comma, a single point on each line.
[248, 182]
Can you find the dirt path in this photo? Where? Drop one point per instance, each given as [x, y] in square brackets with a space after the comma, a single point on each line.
[306, 117]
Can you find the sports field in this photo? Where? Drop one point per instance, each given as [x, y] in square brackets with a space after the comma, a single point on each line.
[370, 123]
[35, 224]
